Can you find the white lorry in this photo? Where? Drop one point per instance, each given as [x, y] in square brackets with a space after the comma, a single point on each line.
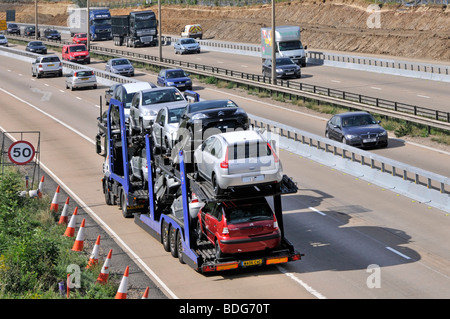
[287, 44]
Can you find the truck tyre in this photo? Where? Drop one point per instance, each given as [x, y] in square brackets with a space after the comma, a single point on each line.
[107, 193]
[173, 242]
[165, 236]
[180, 247]
[123, 204]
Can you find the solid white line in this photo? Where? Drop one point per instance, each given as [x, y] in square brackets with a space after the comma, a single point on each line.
[79, 98]
[424, 96]
[317, 211]
[336, 81]
[83, 204]
[50, 116]
[302, 283]
[375, 88]
[397, 252]
[62, 91]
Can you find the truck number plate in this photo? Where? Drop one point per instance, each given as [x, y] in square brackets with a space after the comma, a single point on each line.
[253, 262]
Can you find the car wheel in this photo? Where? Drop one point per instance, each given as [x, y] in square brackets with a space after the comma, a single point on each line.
[344, 140]
[199, 232]
[218, 251]
[165, 236]
[327, 135]
[217, 189]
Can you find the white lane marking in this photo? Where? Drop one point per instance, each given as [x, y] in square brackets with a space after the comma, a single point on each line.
[62, 91]
[220, 62]
[20, 74]
[317, 211]
[336, 81]
[424, 96]
[302, 283]
[375, 88]
[244, 66]
[83, 204]
[79, 98]
[46, 84]
[397, 252]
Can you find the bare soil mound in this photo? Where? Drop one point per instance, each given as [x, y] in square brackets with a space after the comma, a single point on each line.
[421, 32]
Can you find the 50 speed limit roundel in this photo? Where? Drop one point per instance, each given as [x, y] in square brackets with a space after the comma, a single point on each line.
[21, 152]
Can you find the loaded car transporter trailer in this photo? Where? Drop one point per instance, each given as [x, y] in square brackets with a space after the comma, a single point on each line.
[177, 232]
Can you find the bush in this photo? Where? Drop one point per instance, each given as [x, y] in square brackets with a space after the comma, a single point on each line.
[34, 254]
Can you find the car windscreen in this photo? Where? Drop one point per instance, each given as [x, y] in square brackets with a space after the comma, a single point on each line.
[82, 35]
[84, 73]
[252, 149]
[284, 61]
[358, 120]
[175, 115]
[77, 48]
[120, 62]
[161, 96]
[50, 59]
[2, 36]
[246, 213]
[175, 74]
[187, 41]
[35, 44]
[201, 106]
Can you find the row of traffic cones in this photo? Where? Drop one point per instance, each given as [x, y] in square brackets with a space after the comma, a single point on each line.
[79, 245]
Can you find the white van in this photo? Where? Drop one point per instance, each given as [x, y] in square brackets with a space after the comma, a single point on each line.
[192, 31]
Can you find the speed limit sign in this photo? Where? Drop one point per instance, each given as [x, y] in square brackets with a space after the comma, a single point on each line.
[21, 152]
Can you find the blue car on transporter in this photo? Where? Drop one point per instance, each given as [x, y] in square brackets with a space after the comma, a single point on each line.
[174, 77]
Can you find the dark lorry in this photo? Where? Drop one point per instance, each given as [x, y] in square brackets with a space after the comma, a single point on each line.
[136, 29]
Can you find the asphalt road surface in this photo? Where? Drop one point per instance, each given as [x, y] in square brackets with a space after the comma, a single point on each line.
[359, 240]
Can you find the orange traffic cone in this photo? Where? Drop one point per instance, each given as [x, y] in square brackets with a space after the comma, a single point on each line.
[145, 295]
[70, 230]
[79, 241]
[63, 218]
[54, 206]
[104, 273]
[93, 259]
[122, 292]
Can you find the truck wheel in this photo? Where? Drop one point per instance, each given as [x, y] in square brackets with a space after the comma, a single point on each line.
[180, 247]
[107, 193]
[165, 236]
[173, 242]
[123, 204]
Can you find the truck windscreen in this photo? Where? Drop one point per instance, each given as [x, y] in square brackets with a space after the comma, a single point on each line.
[290, 45]
[101, 22]
[145, 24]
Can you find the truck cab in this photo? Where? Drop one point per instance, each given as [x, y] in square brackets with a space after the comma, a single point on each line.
[100, 24]
[287, 44]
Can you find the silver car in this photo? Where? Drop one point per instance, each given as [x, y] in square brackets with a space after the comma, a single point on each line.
[239, 158]
[186, 45]
[80, 79]
[165, 127]
[147, 103]
[3, 40]
[44, 65]
[120, 66]
[194, 205]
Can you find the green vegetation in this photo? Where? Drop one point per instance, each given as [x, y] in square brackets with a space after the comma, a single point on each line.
[34, 254]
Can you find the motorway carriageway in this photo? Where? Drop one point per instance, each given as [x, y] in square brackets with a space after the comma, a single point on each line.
[343, 224]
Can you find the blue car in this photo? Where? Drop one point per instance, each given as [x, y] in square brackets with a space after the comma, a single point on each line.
[174, 77]
[357, 129]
